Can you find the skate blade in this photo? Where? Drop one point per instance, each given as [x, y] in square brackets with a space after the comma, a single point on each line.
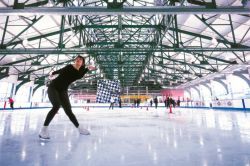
[43, 139]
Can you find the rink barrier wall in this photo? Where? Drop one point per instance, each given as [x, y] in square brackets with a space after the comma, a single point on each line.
[220, 108]
[95, 106]
[229, 104]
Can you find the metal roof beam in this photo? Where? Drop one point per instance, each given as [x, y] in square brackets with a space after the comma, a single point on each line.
[99, 50]
[123, 26]
[86, 10]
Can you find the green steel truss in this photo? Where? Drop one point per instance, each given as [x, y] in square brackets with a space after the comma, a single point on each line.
[151, 49]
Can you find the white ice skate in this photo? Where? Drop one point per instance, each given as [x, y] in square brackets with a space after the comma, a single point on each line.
[83, 131]
[44, 133]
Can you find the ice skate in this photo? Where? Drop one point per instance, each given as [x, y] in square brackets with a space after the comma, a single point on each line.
[44, 133]
[83, 131]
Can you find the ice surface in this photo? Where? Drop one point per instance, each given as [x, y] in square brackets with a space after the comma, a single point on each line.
[127, 137]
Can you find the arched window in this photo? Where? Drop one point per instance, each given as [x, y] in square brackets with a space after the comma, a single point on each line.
[239, 87]
[194, 94]
[187, 95]
[23, 93]
[5, 90]
[38, 95]
[205, 93]
[219, 90]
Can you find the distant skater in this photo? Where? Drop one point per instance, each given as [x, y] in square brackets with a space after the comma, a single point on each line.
[11, 101]
[138, 101]
[112, 101]
[58, 94]
[120, 102]
[156, 102]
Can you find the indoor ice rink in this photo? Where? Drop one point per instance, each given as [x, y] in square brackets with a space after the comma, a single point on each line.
[124, 83]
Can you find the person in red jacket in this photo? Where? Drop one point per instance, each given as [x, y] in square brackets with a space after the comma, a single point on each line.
[58, 94]
[11, 101]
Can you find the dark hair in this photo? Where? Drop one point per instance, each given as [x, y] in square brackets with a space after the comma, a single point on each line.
[83, 59]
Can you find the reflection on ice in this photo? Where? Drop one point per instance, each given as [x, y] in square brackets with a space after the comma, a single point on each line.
[127, 137]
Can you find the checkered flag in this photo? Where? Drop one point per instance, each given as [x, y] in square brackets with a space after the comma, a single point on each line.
[106, 89]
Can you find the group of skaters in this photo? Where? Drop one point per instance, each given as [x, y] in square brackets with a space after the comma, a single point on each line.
[169, 101]
[137, 103]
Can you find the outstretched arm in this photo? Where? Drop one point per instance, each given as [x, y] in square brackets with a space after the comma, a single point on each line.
[59, 71]
[51, 74]
[85, 70]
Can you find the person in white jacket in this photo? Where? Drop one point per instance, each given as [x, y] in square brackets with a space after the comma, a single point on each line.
[112, 101]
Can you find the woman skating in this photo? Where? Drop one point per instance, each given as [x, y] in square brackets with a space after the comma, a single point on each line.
[58, 94]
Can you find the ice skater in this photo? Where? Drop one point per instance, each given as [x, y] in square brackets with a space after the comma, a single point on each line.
[112, 101]
[58, 94]
[11, 101]
[120, 102]
[156, 102]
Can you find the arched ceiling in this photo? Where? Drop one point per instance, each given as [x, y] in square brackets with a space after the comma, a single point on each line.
[140, 42]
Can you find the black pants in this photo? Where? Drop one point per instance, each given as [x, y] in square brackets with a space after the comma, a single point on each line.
[111, 105]
[59, 98]
[12, 105]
